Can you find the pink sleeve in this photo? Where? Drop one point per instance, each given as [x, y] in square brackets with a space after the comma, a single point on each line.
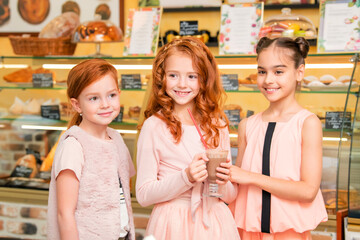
[69, 156]
[149, 189]
[229, 191]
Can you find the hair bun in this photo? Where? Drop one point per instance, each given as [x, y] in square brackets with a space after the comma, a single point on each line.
[303, 46]
[261, 44]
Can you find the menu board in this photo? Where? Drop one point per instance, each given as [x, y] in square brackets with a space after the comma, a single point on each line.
[339, 29]
[130, 81]
[50, 111]
[233, 116]
[42, 80]
[142, 32]
[230, 82]
[333, 120]
[239, 28]
[188, 28]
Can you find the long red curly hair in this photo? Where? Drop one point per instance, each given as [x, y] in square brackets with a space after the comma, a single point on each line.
[209, 101]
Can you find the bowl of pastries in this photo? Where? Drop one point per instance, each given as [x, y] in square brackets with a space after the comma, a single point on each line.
[97, 31]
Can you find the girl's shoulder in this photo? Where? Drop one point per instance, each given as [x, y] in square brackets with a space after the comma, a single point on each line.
[153, 121]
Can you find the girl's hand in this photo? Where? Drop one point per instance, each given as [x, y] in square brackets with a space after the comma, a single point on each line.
[239, 175]
[196, 171]
[223, 172]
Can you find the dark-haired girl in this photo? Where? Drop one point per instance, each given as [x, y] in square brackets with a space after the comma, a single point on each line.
[279, 161]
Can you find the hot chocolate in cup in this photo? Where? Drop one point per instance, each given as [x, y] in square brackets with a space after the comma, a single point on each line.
[215, 156]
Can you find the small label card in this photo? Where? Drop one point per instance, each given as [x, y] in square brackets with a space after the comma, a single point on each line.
[249, 113]
[188, 28]
[50, 111]
[42, 80]
[119, 117]
[230, 82]
[233, 116]
[333, 120]
[130, 81]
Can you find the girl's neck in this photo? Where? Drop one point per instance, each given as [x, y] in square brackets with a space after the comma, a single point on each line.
[181, 113]
[98, 131]
[281, 111]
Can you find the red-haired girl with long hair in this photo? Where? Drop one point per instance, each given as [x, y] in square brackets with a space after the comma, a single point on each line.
[170, 156]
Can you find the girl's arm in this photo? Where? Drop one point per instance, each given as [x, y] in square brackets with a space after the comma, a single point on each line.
[304, 190]
[67, 190]
[149, 188]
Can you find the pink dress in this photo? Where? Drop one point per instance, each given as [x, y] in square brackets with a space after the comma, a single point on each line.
[180, 212]
[285, 162]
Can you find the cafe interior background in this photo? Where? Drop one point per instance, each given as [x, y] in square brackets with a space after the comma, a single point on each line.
[33, 116]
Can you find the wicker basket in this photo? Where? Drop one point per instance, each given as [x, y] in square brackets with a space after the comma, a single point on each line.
[35, 46]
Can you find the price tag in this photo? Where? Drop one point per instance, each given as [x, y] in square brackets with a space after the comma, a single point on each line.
[188, 28]
[233, 116]
[249, 113]
[333, 120]
[119, 117]
[21, 171]
[42, 80]
[50, 111]
[230, 82]
[130, 81]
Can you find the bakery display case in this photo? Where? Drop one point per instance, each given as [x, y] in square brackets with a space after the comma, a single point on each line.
[33, 116]
[24, 131]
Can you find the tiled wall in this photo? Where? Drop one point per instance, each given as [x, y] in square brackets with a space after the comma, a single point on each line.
[26, 221]
[13, 144]
[22, 221]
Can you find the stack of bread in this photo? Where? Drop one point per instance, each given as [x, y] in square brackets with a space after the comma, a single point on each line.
[327, 80]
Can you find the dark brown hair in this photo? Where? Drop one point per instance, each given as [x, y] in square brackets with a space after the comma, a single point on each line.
[84, 74]
[299, 47]
[209, 101]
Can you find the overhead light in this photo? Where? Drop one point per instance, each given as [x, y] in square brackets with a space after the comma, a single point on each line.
[237, 66]
[335, 139]
[14, 66]
[117, 66]
[37, 127]
[220, 66]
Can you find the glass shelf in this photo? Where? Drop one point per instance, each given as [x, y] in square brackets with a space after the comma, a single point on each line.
[38, 119]
[152, 57]
[56, 88]
[302, 91]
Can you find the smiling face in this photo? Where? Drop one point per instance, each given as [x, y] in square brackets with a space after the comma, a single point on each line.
[98, 103]
[182, 81]
[277, 76]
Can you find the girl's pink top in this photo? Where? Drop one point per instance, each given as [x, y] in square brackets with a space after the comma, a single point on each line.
[285, 163]
[161, 165]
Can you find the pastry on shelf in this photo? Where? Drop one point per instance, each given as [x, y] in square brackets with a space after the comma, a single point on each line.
[309, 79]
[22, 75]
[32, 106]
[134, 112]
[17, 108]
[25, 75]
[327, 79]
[25, 167]
[61, 26]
